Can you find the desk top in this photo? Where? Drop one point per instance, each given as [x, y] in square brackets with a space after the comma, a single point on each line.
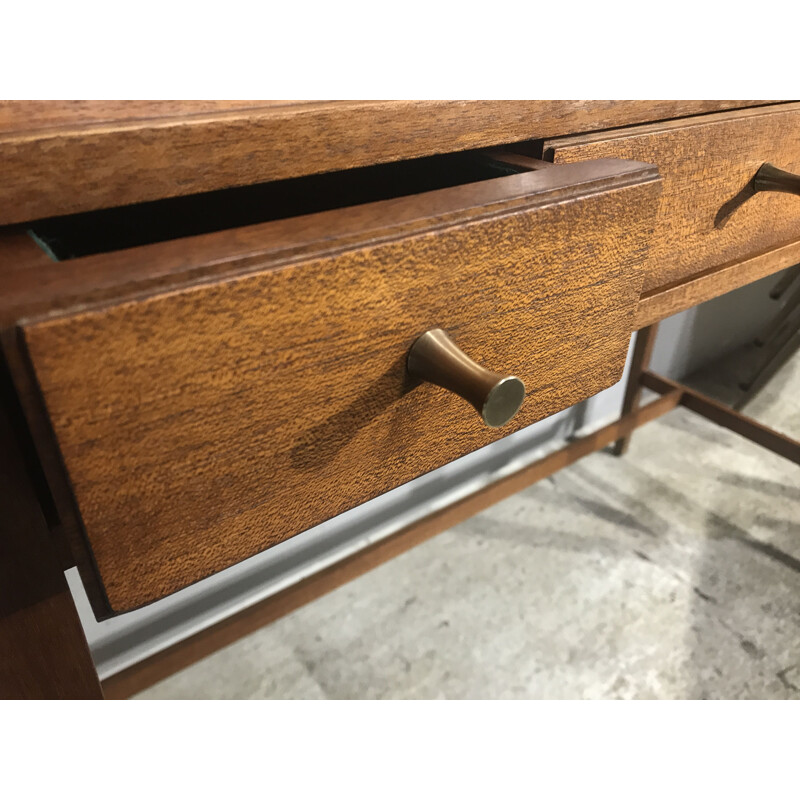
[62, 157]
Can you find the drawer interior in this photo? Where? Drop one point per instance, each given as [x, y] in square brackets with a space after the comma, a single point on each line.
[107, 230]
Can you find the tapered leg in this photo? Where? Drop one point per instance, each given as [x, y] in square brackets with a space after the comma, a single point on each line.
[43, 650]
[642, 348]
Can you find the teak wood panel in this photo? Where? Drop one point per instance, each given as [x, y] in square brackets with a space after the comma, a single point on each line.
[62, 157]
[708, 215]
[202, 425]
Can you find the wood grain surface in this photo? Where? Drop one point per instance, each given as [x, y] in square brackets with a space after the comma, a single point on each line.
[661, 303]
[64, 157]
[708, 215]
[35, 116]
[200, 426]
[43, 650]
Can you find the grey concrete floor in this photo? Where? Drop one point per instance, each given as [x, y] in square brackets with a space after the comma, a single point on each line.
[673, 572]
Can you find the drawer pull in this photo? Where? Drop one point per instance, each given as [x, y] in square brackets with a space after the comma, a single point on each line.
[436, 358]
[771, 179]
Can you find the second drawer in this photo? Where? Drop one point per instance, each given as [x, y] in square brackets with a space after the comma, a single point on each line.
[709, 216]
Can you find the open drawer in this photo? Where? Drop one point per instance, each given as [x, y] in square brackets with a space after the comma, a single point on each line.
[196, 400]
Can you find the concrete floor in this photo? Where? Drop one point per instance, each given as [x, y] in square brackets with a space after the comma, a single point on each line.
[671, 573]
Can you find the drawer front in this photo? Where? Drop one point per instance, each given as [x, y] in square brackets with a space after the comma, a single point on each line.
[201, 425]
[708, 215]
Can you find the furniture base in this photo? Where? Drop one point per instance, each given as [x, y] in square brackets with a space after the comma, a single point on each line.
[161, 665]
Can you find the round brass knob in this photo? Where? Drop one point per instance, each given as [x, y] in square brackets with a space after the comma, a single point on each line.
[436, 358]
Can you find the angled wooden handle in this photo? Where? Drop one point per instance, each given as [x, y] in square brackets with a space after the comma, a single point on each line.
[771, 179]
[436, 358]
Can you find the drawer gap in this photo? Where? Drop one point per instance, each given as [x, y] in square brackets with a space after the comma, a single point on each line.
[119, 228]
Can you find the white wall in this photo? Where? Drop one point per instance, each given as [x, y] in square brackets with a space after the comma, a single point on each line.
[685, 342]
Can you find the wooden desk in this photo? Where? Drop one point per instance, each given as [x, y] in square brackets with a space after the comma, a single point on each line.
[207, 310]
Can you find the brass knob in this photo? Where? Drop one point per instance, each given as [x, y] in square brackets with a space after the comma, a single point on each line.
[436, 358]
[771, 179]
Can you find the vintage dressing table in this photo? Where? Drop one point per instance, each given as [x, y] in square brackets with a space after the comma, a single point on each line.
[223, 323]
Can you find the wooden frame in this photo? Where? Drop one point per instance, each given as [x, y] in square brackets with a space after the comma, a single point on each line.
[57, 158]
[55, 620]
[672, 394]
[44, 653]
[54, 155]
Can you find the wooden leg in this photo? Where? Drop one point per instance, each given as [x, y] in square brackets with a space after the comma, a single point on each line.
[642, 348]
[43, 650]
